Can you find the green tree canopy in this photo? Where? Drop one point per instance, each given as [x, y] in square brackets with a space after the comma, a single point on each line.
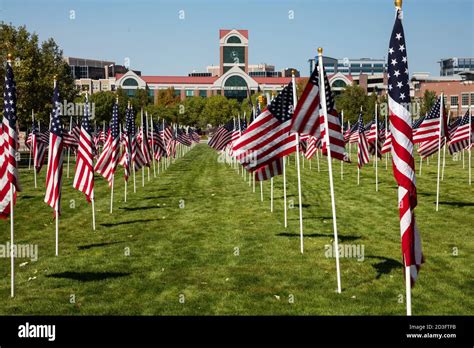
[34, 64]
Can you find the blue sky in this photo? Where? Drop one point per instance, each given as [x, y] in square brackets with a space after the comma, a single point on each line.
[158, 42]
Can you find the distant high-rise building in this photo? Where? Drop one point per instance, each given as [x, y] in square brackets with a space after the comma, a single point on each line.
[454, 66]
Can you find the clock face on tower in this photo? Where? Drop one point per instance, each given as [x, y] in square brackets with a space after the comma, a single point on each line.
[234, 55]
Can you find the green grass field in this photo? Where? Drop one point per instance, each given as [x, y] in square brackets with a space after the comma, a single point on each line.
[182, 230]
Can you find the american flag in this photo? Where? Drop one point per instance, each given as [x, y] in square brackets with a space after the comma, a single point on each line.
[460, 138]
[270, 170]
[453, 126]
[375, 133]
[84, 176]
[159, 143]
[183, 137]
[236, 132]
[193, 134]
[138, 159]
[387, 144]
[352, 134]
[402, 146]
[306, 117]
[336, 138]
[430, 147]
[9, 178]
[143, 140]
[166, 134]
[313, 144]
[126, 158]
[268, 138]
[55, 156]
[108, 159]
[429, 127]
[222, 136]
[38, 148]
[363, 145]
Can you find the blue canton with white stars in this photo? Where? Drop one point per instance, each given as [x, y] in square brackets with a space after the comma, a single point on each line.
[9, 97]
[86, 122]
[282, 106]
[114, 124]
[56, 125]
[398, 87]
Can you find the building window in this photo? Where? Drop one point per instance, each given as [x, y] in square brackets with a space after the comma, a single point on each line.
[203, 93]
[454, 101]
[339, 84]
[177, 92]
[189, 93]
[233, 39]
[130, 82]
[464, 99]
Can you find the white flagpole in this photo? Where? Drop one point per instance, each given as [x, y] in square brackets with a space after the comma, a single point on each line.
[57, 230]
[33, 122]
[444, 150]
[253, 182]
[284, 193]
[331, 183]
[470, 143]
[376, 148]
[386, 132]
[295, 101]
[69, 148]
[342, 131]
[12, 254]
[153, 146]
[34, 159]
[271, 194]
[408, 289]
[261, 191]
[146, 132]
[317, 158]
[112, 194]
[421, 164]
[93, 210]
[441, 113]
[143, 148]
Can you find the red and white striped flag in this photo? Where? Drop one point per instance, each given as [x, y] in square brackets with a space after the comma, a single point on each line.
[363, 155]
[267, 138]
[402, 147]
[108, 159]
[55, 156]
[84, 176]
[9, 178]
[460, 138]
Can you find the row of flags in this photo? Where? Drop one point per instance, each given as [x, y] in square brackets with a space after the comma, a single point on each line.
[128, 148]
[287, 125]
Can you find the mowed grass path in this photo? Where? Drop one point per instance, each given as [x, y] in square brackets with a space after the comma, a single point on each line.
[197, 232]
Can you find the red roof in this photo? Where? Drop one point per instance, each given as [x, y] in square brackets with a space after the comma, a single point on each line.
[180, 79]
[224, 32]
[208, 79]
[275, 80]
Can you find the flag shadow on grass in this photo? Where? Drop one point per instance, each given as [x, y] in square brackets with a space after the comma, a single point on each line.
[322, 235]
[457, 204]
[140, 208]
[90, 246]
[88, 276]
[385, 266]
[112, 224]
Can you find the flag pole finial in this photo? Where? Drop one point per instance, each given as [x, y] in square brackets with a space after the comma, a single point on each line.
[320, 51]
[9, 57]
[398, 3]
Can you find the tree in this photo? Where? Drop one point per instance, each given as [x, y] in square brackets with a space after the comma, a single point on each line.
[34, 67]
[427, 102]
[350, 100]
